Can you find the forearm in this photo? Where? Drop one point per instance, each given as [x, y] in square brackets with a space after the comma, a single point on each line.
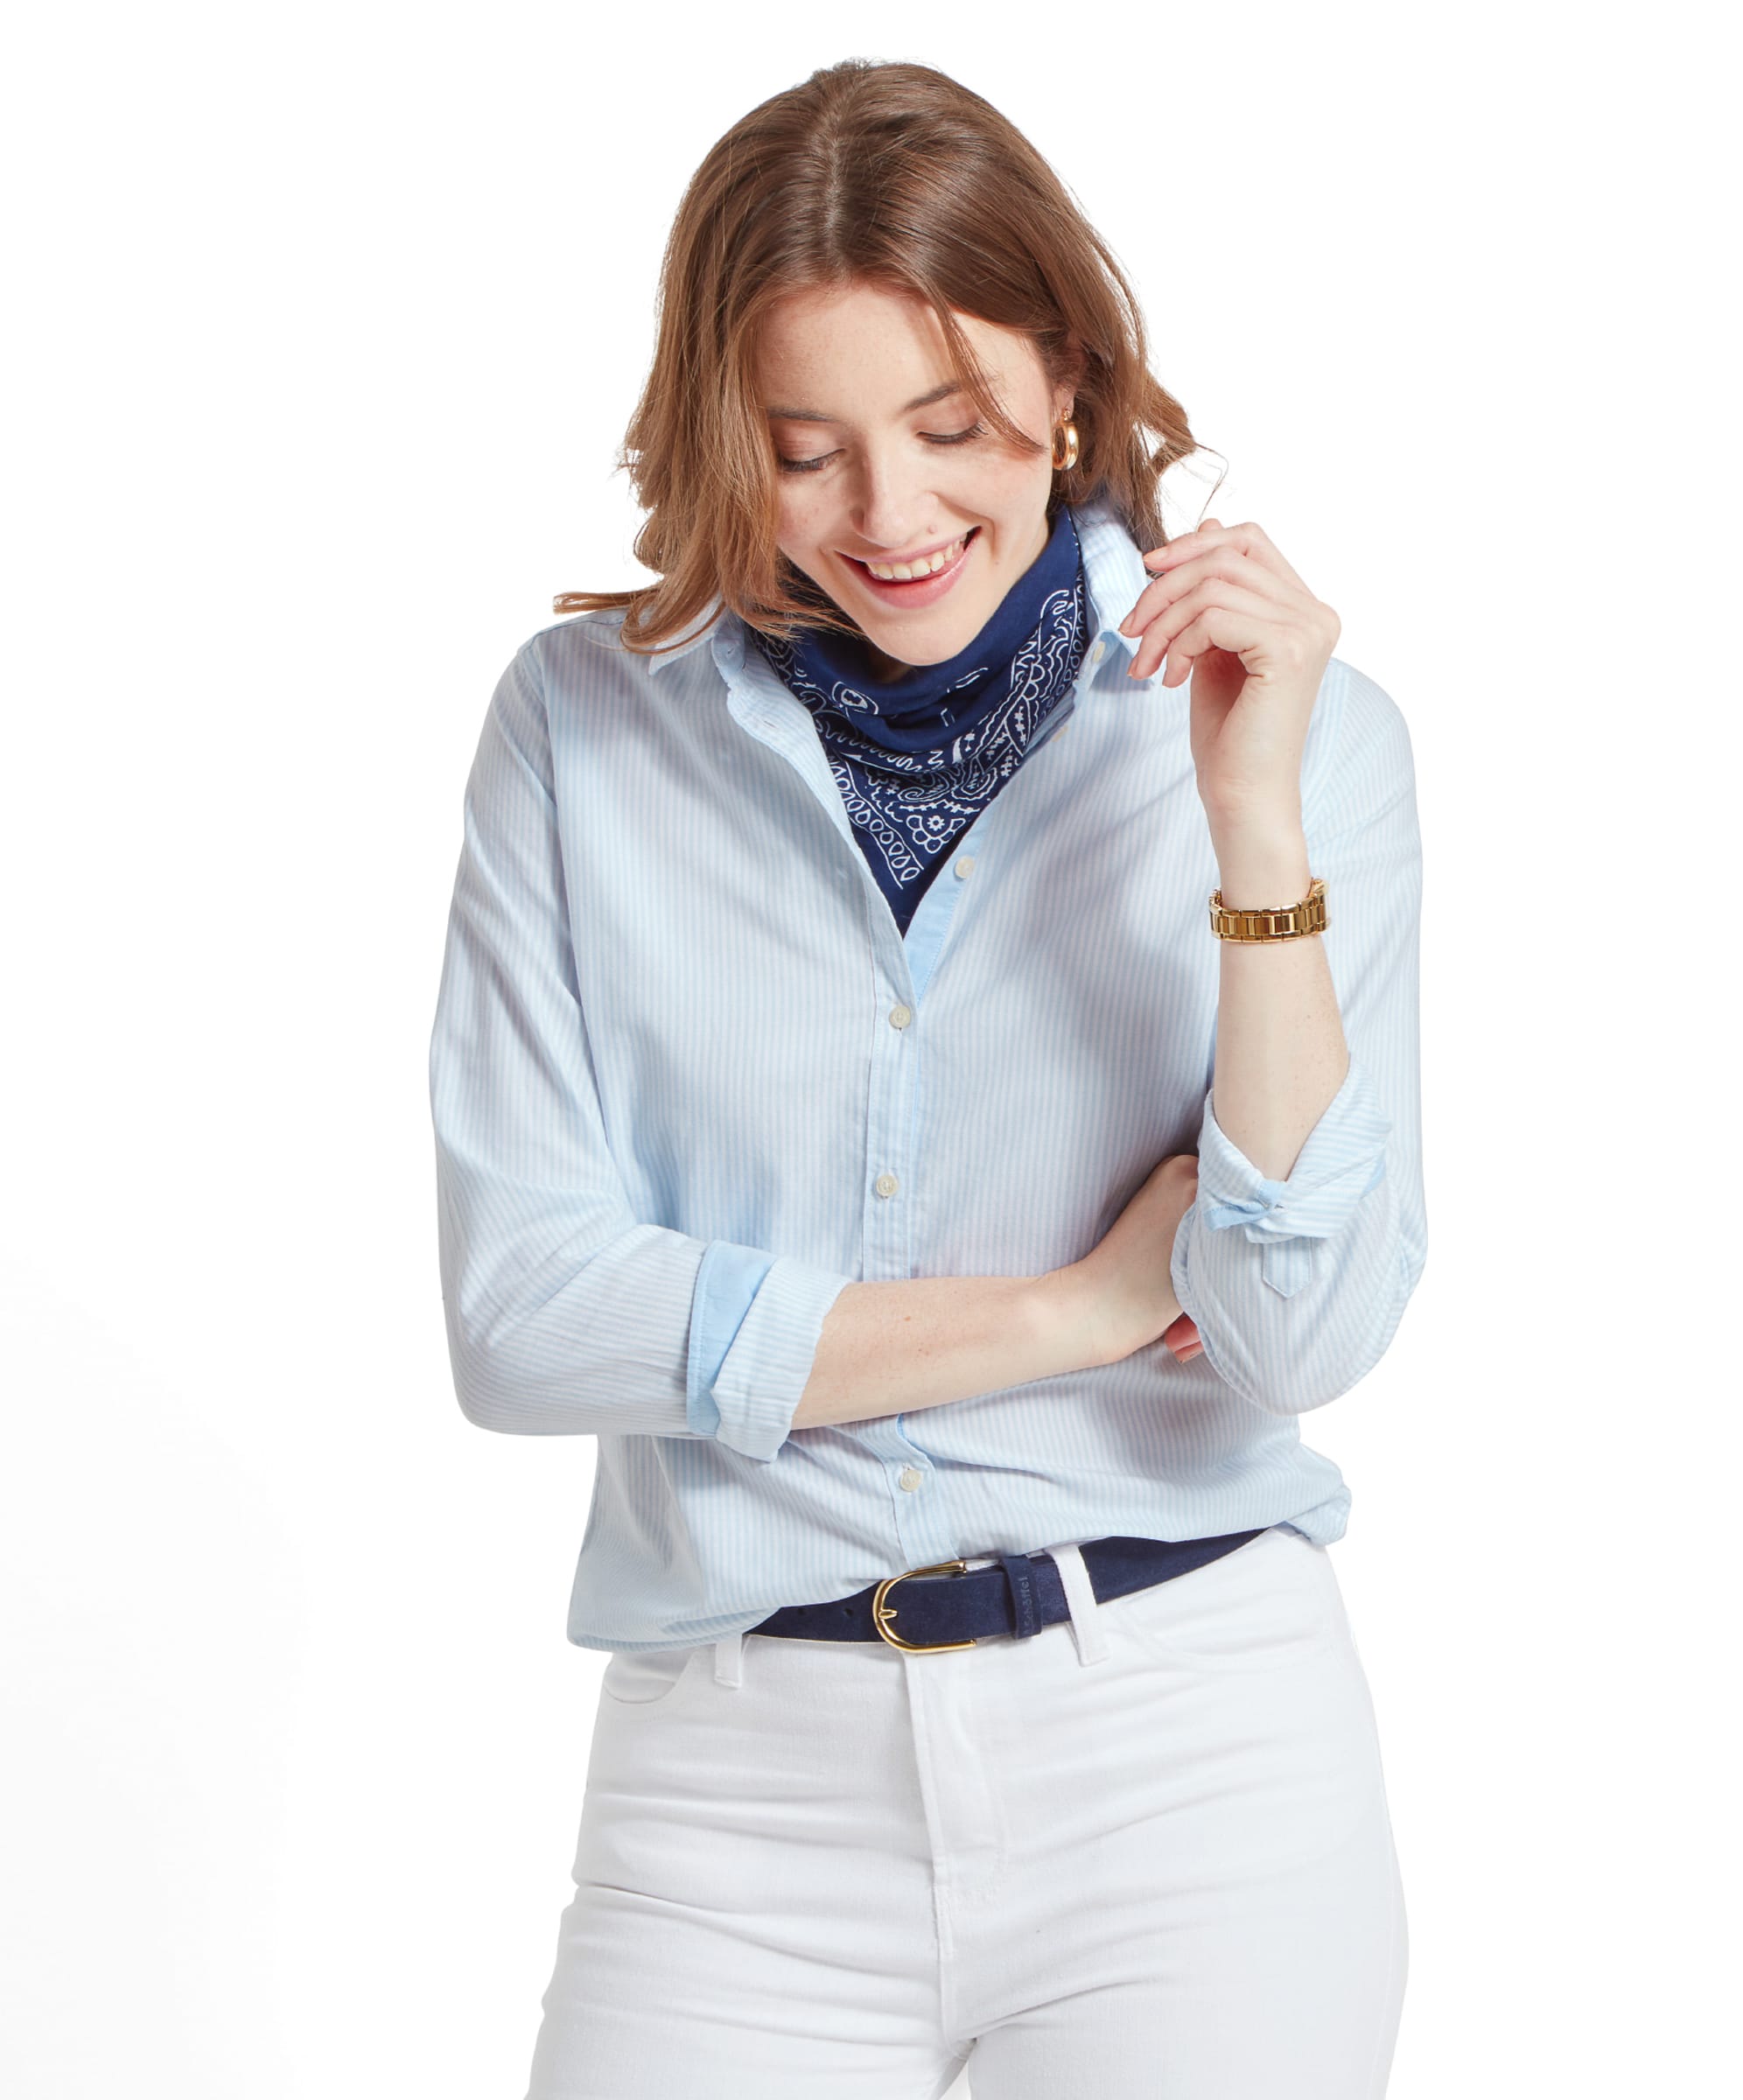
[1281, 1055]
[890, 1347]
[1307, 1232]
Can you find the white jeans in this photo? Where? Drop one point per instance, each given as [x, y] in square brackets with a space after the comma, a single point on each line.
[1145, 1852]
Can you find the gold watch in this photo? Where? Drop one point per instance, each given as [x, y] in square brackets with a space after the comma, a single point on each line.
[1270, 922]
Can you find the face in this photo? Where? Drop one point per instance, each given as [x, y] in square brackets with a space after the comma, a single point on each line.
[879, 460]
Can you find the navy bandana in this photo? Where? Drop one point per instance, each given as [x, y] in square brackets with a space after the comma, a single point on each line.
[917, 758]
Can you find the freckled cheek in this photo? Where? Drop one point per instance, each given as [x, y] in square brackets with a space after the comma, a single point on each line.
[999, 489]
[808, 527]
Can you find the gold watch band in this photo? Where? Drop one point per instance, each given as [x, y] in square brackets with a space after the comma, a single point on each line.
[1271, 922]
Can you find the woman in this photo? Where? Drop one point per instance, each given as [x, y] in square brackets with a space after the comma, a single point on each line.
[845, 1114]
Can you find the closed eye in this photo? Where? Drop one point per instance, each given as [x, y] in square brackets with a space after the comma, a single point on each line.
[810, 467]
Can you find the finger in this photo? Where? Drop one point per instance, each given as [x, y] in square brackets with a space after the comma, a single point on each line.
[1216, 614]
[1206, 534]
[1181, 1336]
[1250, 539]
[1221, 560]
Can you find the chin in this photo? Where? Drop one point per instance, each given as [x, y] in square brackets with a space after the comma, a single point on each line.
[936, 646]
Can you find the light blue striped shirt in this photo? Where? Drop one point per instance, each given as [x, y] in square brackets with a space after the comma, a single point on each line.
[689, 1082]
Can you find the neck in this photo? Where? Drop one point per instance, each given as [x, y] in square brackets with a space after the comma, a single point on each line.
[885, 667]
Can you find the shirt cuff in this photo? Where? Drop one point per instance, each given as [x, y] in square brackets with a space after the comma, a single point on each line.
[755, 1322]
[1343, 1158]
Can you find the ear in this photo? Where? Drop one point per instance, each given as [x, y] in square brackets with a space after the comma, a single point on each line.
[1065, 393]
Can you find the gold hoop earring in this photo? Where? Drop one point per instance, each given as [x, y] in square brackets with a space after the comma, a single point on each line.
[1064, 466]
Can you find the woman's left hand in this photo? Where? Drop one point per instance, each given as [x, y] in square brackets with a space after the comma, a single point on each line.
[1228, 610]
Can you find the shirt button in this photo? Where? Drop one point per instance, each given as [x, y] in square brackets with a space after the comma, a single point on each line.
[911, 1477]
[900, 1016]
[1098, 652]
[886, 1184]
[965, 866]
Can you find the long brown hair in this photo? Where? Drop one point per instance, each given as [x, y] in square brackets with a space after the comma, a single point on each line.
[897, 176]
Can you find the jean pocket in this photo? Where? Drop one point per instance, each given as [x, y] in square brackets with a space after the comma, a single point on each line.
[648, 1677]
[1267, 1605]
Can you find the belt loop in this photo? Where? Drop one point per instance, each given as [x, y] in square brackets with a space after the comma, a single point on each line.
[729, 1659]
[1020, 1572]
[1087, 1629]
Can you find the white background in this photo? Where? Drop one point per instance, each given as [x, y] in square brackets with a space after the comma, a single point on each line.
[325, 324]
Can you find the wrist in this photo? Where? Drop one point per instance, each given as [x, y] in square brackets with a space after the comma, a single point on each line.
[1069, 1320]
[1262, 863]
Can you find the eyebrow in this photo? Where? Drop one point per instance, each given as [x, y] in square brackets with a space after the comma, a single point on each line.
[924, 401]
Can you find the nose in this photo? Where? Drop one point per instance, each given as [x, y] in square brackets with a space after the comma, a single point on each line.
[893, 505]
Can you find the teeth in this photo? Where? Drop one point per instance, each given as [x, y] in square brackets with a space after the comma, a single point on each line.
[905, 572]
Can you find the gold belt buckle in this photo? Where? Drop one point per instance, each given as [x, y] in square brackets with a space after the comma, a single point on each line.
[882, 1613]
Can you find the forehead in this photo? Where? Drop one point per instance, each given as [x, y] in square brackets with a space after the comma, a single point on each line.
[863, 350]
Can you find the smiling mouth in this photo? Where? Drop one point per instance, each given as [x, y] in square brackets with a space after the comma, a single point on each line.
[935, 564]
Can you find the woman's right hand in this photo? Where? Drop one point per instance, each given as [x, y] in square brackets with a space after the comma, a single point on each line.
[1121, 1293]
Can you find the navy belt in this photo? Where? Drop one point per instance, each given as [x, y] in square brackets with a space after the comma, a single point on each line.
[947, 1606]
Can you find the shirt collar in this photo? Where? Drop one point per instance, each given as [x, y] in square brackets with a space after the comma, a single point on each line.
[1112, 564]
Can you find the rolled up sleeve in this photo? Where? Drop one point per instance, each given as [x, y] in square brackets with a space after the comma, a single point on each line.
[1343, 1159]
[754, 1329]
